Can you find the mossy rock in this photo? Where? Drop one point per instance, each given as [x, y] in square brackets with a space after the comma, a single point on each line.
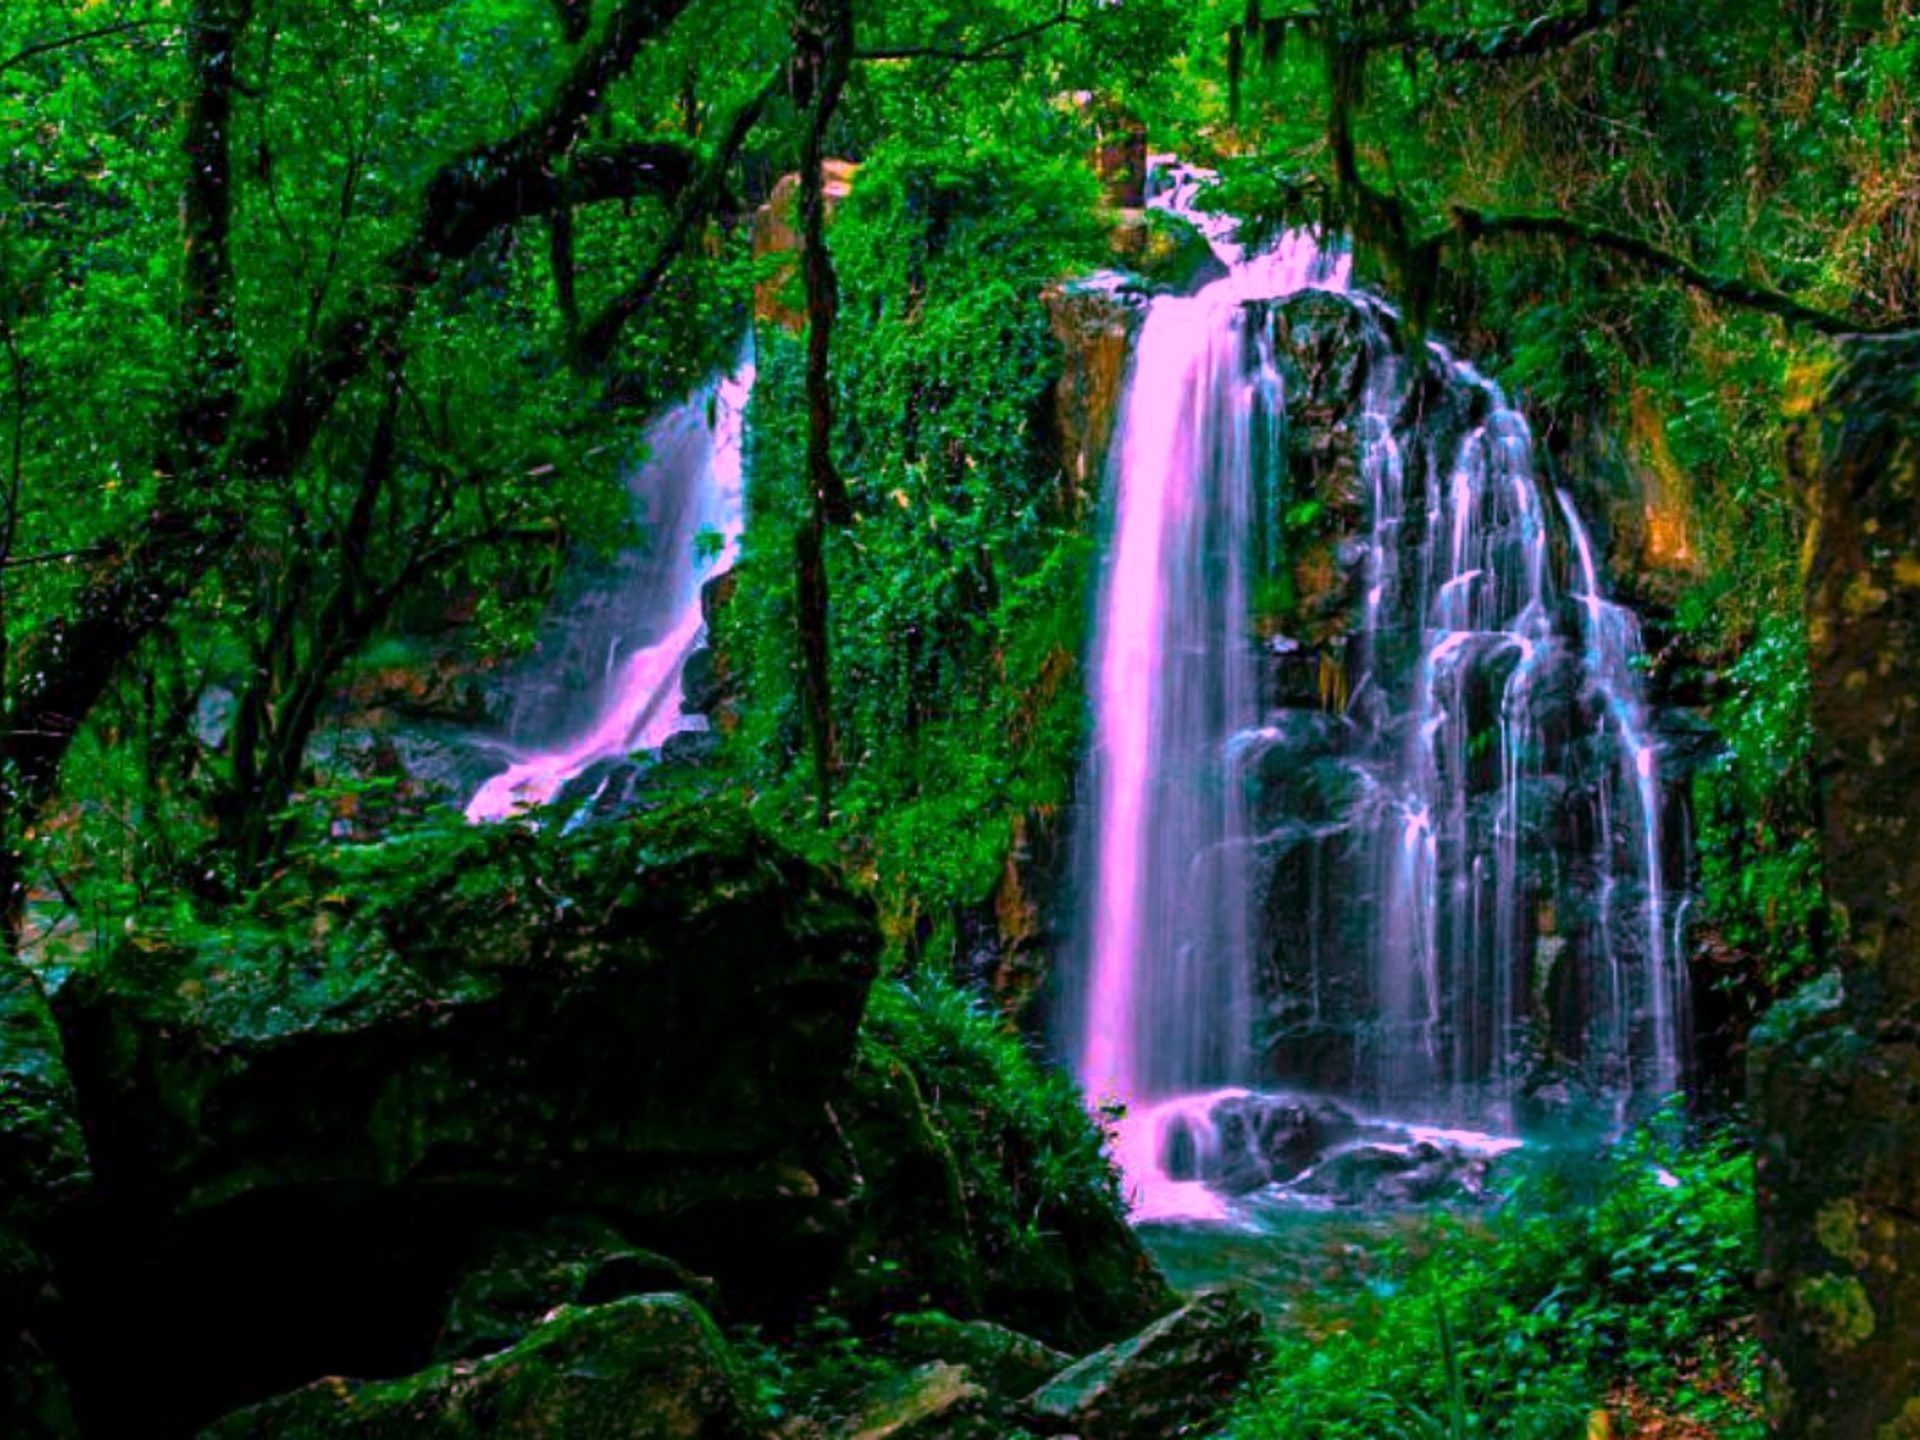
[43, 1155]
[988, 1193]
[1004, 1360]
[1168, 1380]
[314, 1118]
[932, 1402]
[654, 1367]
[1167, 252]
[574, 1261]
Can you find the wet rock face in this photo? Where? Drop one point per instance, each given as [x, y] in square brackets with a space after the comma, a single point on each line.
[777, 232]
[1307, 1148]
[1360, 421]
[1835, 1073]
[1422, 1173]
[1095, 321]
[1255, 1141]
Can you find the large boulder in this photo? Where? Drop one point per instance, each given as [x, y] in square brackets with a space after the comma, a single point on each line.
[1167, 1381]
[310, 1122]
[933, 1402]
[654, 1367]
[576, 1261]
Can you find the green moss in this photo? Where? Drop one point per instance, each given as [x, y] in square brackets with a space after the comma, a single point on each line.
[1905, 1425]
[1837, 1227]
[959, 593]
[653, 1366]
[993, 1197]
[1837, 1309]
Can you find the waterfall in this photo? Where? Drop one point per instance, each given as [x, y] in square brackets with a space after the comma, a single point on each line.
[1467, 915]
[630, 637]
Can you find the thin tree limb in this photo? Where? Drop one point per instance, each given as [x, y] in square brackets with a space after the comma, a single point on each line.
[1472, 225]
[1004, 47]
[82, 37]
[697, 199]
[1524, 40]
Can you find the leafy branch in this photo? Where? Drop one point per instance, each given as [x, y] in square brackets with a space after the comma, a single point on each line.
[83, 37]
[1472, 225]
[1002, 48]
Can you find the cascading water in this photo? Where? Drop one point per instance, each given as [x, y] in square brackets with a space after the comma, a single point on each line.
[635, 634]
[1470, 903]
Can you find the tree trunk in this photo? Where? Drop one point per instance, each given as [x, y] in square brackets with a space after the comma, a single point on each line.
[823, 57]
[1836, 1070]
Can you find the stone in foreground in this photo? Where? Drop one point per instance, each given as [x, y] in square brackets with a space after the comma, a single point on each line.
[651, 1368]
[1167, 1381]
[934, 1402]
[1005, 1360]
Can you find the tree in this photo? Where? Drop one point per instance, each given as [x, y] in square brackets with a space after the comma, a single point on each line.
[303, 453]
[1838, 1066]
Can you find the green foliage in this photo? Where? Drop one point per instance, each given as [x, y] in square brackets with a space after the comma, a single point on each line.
[1026, 1156]
[1636, 1268]
[1760, 856]
[959, 592]
[816, 1372]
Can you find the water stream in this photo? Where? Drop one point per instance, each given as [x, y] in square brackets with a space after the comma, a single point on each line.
[605, 680]
[1467, 915]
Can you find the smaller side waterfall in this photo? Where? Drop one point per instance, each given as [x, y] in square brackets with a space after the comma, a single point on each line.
[635, 634]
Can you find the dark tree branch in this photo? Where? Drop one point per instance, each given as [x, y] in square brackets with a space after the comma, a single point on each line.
[1472, 225]
[82, 37]
[823, 37]
[824, 56]
[1527, 40]
[475, 201]
[698, 198]
[206, 313]
[1003, 48]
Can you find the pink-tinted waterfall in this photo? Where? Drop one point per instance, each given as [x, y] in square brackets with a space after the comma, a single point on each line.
[634, 636]
[1435, 888]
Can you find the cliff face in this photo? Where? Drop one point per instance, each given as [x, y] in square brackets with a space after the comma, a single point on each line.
[1836, 1072]
[776, 232]
[1095, 322]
